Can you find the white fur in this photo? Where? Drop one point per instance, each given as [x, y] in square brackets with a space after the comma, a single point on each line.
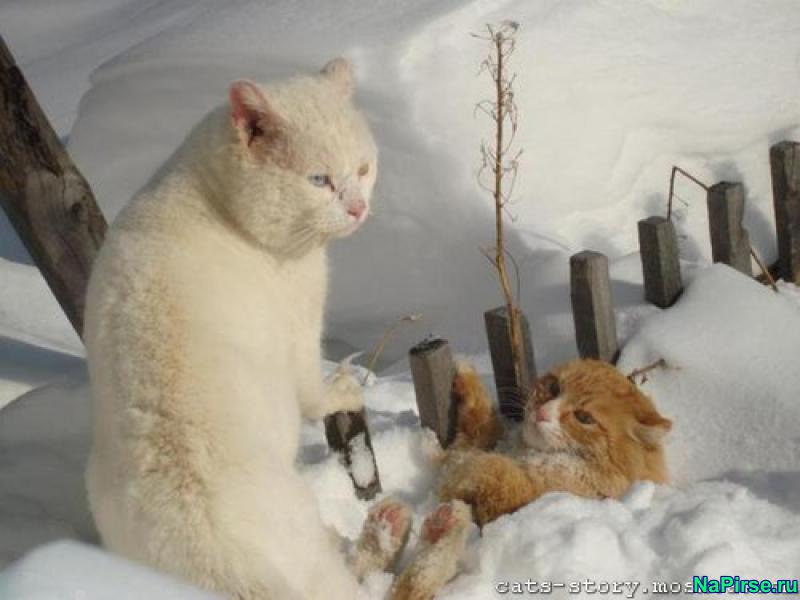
[203, 328]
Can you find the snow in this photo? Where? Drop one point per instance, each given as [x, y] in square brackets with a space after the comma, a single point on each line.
[37, 343]
[730, 388]
[50, 570]
[739, 352]
[361, 465]
[651, 535]
[611, 95]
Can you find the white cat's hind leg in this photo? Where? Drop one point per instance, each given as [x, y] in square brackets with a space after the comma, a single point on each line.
[383, 537]
[282, 531]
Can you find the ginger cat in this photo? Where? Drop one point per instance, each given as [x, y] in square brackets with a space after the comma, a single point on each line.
[587, 430]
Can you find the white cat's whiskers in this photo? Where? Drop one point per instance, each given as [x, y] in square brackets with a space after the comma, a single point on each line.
[301, 236]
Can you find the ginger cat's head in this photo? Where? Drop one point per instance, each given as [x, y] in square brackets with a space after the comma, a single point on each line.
[298, 163]
[591, 409]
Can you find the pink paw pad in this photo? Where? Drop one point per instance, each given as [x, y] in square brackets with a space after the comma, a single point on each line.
[393, 514]
[438, 523]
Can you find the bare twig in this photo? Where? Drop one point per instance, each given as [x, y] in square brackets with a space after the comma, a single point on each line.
[690, 177]
[642, 372]
[385, 338]
[764, 269]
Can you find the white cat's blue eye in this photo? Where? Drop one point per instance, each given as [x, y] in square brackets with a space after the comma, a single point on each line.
[320, 180]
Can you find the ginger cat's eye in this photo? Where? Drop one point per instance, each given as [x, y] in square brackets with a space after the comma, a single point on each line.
[320, 180]
[584, 417]
[363, 170]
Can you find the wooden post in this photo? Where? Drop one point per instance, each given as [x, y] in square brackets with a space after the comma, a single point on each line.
[433, 370]
[661, 268]
[784, 161]
[348, 434]
[592, 307]
[730, 241]
[46, 198]
[512, 394]
[53, 210]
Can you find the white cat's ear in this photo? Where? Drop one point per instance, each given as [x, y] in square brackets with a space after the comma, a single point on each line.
[251, 113]
[339, 71]
[651, 429]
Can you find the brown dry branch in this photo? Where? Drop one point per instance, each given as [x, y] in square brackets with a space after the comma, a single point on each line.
[767, 276]
[385, 338]
[501, 163]
[642, 372]
[764, 270]
[689, 176]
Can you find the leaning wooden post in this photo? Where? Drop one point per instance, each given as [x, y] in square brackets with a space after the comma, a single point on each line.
[592, 307]
[730, 241]
[46, 198]
[348, 434]
[432, 369]
[661, 267]
[784, 161]
[511, 393]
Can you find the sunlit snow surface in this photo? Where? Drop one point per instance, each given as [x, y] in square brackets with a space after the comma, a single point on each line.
[612, 93]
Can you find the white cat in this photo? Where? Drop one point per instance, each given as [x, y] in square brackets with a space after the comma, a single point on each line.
[203, 327]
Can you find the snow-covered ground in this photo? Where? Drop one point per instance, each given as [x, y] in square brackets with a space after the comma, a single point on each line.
[612, 93]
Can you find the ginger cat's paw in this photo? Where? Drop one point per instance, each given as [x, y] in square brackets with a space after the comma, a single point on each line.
[440, 522]
[383, 537]
[478, 426]
[493, 484]
[442, 540]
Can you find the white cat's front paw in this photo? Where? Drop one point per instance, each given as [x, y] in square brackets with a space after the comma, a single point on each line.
[344, 390]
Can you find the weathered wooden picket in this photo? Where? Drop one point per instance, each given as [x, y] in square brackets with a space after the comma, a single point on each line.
[52, 208]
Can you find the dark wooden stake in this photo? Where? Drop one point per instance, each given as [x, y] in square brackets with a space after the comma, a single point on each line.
[511, 393]
[47, 200]
[592, 306]
[730, 241]
[658, 246]
[433, 370]
[348, 434]
[784, 161]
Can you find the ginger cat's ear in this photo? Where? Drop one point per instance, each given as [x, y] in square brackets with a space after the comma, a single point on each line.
[651, 429]
[339, 71]
[251, 113]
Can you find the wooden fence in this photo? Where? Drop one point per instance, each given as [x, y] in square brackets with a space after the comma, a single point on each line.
[590, 288]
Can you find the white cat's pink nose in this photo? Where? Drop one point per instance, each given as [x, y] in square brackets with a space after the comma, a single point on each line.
[357, 209]
[541, 414]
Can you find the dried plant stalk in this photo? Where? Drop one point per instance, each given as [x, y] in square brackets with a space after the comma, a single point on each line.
[500, 163]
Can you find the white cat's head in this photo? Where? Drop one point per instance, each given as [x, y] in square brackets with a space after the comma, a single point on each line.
[303, 160]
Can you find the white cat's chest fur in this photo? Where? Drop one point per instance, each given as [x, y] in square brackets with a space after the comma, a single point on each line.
[264, 312]
[242, 312]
